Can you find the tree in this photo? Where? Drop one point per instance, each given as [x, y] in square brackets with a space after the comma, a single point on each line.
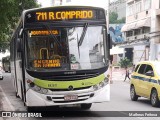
[10, 11]
[113, 18]
[125, 62]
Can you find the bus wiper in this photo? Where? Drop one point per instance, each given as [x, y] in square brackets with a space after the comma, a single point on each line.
[83, 34]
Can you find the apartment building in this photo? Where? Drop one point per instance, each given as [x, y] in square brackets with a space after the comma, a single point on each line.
[142, 30]
[118, 6]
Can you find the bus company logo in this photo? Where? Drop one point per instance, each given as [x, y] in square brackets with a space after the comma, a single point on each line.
[70, 88]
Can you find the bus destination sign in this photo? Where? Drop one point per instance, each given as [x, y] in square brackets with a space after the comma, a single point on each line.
[43, 32]
[64, 15]
[61, 15]
[47, 63]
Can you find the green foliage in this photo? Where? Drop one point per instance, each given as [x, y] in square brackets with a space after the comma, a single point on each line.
[125, 63]
[10, 11]
[113, 16]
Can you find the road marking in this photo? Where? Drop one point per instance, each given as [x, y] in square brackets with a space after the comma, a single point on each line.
[6, 104]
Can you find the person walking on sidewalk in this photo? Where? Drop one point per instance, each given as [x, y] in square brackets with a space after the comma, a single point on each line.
[127, 74]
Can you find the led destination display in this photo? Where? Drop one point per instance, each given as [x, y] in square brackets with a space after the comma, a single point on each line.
[60, 14]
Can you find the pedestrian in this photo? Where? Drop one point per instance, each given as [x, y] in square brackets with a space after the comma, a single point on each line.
[133, 67]
[127, 74]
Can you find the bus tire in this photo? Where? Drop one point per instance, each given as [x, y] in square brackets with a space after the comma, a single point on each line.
[154, 98]
[134, 96]
[86, 106]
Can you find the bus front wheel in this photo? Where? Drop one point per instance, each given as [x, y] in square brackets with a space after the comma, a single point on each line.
[86, 106]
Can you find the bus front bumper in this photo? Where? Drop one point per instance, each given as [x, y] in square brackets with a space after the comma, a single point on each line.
[84, 96]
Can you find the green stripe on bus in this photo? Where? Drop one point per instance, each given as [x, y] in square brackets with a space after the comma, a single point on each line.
[65, 84]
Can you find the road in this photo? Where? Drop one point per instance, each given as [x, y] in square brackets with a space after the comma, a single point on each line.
[120, 103]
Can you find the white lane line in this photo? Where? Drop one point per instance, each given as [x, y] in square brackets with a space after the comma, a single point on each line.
[6, 104]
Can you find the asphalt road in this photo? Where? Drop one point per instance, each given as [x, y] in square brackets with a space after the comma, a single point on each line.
[119, 106]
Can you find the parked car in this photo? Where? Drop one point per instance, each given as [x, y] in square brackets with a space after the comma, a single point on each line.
[1, 75]
[145, 82]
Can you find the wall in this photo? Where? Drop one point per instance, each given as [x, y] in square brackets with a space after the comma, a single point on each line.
[115, 32]
[138, 54]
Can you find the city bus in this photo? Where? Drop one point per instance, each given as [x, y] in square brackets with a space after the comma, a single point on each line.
[60, 57]
[6, 64]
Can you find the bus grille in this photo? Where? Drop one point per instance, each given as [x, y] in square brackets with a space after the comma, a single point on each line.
[69, 90]
[69, 101]
[70, 77]
[62, 100]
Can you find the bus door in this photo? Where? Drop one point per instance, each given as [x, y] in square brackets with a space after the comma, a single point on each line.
[18, 71]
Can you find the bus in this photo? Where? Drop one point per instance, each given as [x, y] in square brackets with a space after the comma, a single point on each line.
[6, 64]
[60, 57]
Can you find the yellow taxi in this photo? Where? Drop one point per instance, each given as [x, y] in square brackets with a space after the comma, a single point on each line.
[145, 82]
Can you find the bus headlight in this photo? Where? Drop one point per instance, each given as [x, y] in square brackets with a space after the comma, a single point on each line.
[106, 80]
[44, 91]
[95, 87]
[101, 84]
[37, 88]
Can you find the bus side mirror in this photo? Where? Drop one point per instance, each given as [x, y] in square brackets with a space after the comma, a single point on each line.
[109, 41]
[20, 33]
[19, 45]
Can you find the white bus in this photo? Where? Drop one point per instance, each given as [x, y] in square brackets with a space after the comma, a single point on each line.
[6, 64]
[60, 57]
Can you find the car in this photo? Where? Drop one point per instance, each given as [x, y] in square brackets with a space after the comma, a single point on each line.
[145, 82]
[1, 75]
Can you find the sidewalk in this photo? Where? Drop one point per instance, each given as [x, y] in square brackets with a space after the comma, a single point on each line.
[118, 75]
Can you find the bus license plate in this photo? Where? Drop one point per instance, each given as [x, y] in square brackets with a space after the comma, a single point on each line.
[70, 97]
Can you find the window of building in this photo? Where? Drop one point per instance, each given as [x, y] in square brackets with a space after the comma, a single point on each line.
[137, 31]
[130, 10]
[138, 7]
[145, 30]
[129, 33]
[147, 4]
[141, 69]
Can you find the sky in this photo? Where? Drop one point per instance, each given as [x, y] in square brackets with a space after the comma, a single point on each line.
[99, 3]
[45, 3]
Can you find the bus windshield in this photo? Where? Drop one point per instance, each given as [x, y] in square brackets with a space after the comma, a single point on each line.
[58, 49]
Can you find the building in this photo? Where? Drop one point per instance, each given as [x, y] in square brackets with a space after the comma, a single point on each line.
[101, 3]
[56, 2]
[142, 30]
[119, 7]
